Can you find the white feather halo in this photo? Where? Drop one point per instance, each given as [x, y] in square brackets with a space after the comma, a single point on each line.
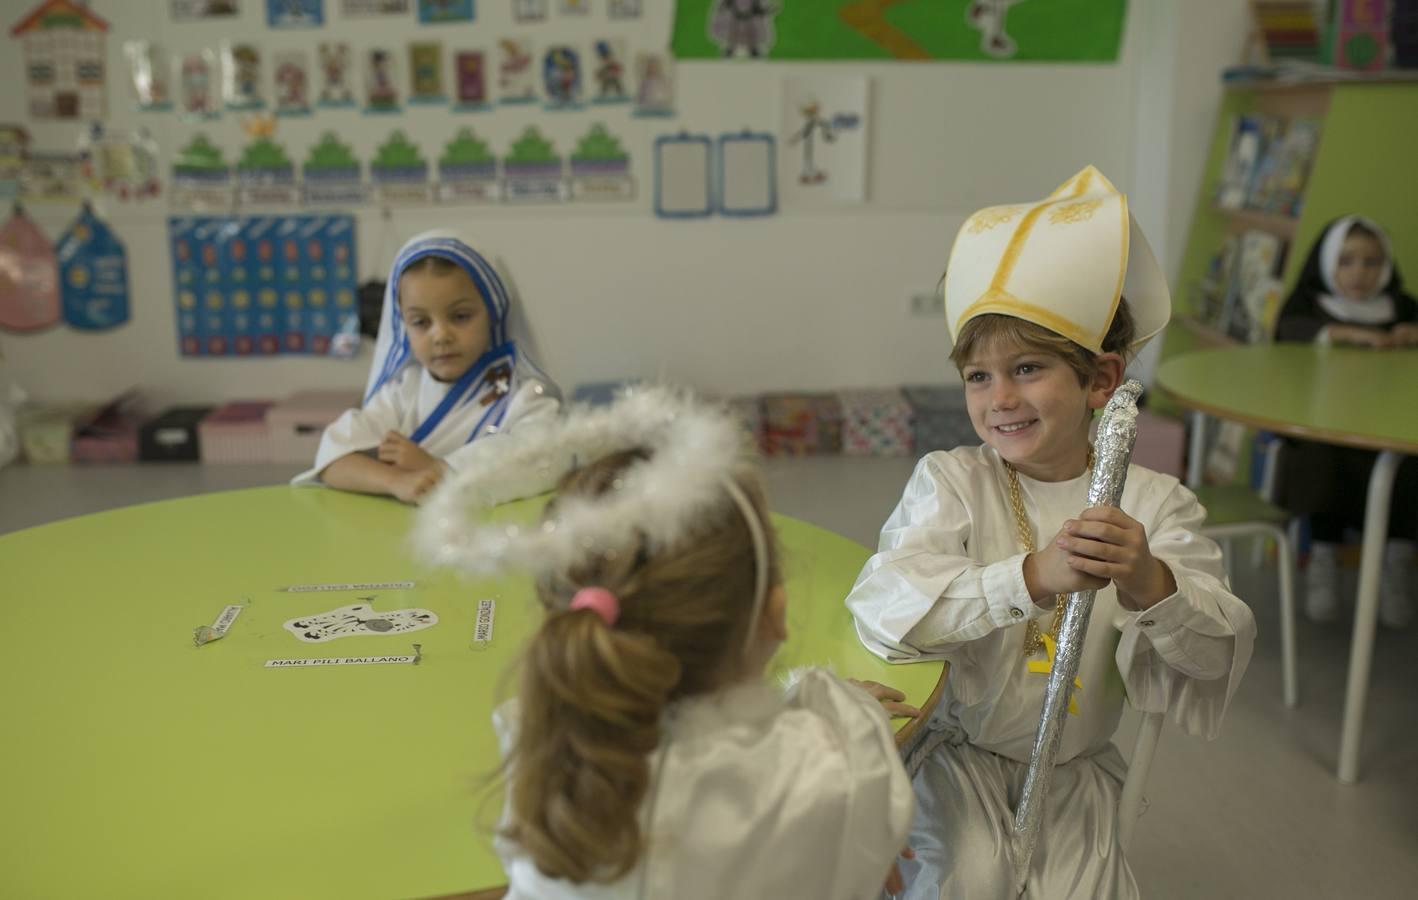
[694, 451]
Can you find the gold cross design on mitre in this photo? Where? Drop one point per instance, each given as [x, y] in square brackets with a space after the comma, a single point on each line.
[1046, 665]
[1077, 211]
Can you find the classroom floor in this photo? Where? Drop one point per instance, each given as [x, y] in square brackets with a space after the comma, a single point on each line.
[1256, 814]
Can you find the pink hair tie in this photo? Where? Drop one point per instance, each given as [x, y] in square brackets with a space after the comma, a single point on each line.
[600, 600]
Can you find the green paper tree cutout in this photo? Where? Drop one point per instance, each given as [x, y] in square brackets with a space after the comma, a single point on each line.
[531, 147]
[264, 153]
[397, 153]
[466, 149]
[200, 156]
[599, 145]
[329, 153]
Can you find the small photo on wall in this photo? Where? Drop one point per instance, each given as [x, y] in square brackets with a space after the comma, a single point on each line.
[625, 9]
[440, 12]
[516, 71]
[295, 13]
[357, 9]
[575, 7]
[381, 92]
[148, 71]
[198, 10]
[529, 10]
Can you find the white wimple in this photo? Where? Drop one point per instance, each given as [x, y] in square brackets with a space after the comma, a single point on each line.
[694, 450]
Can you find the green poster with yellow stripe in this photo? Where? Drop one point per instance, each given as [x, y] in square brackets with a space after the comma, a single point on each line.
[998, 30]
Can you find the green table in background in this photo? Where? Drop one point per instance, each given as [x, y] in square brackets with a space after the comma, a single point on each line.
[136, 765]
[1350, 396]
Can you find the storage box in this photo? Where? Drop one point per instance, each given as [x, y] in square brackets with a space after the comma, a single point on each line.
[46, 431]
[109, 434]
[941, 419]
[801, 424]
[1161, 443]
[876, 423]
[297, 423]
[172, 436]
[236, 432]
[749, 411]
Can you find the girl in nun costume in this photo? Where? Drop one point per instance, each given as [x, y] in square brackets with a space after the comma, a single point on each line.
[1045, 302]
[1349, 292]
[447, 376]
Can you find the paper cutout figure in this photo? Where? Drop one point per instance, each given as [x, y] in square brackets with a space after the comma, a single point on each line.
[610, 71]
[426, 72]
[562, 73]
[196, 81]
[359, 620]
[241, 76]
[64, 60]
[654, 92]
[381, 95]
[988, 17]
[335, 89]
[292, 83]
[470, 74]
[121, 163]
[516, 79]
[332, 174]
[533, 170]
[93, 274]
[600, 168]
[742, 27]
[29, 284]
[148, 73]
[467, 170]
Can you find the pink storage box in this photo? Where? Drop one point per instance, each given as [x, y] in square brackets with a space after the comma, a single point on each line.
[109, 434]
[801, 424]
[236, 432]
[297, 422]
[1161, 443]
[876, 423]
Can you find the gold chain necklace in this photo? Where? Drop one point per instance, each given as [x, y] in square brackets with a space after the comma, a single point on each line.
[1033, 638]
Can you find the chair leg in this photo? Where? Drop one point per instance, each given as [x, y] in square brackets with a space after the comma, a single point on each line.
[1285, 563]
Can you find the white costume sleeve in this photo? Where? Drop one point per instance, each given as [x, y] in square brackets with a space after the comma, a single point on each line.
[360, 429]
[879, 803]
[921, 595]
[1188, 652]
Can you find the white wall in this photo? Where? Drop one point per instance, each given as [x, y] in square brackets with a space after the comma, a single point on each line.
[800, 300]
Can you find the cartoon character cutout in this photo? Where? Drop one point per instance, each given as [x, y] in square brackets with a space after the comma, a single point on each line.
[562, 75]
[742, 27]
[610, 71]
[335, 87]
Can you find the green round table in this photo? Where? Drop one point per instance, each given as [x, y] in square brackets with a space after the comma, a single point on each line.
[1350, 396]
[137, 765]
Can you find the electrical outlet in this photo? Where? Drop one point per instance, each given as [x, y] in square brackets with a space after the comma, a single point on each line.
[932, 304]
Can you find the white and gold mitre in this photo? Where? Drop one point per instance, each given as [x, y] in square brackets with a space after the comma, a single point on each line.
[1061, 262]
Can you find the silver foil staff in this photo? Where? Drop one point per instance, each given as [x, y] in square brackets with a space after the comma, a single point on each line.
[1112, 452]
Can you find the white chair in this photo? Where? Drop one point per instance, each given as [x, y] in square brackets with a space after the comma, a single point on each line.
[1235, 511]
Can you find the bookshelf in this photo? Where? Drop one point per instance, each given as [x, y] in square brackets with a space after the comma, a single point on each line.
[1365, 161]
